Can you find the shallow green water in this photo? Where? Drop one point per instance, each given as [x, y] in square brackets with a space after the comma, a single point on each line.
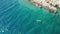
[20, 17]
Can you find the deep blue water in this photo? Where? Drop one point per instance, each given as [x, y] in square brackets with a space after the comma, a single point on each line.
[20, 17]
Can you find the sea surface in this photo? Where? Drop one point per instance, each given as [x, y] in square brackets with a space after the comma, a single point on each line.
[22, 17]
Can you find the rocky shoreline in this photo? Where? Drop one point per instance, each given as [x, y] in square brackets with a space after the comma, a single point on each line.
[47, 4]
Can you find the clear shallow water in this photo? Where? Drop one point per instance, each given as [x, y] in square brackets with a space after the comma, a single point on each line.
[20, 17]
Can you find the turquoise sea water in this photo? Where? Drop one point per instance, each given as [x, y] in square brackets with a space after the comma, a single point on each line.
[20, 17]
